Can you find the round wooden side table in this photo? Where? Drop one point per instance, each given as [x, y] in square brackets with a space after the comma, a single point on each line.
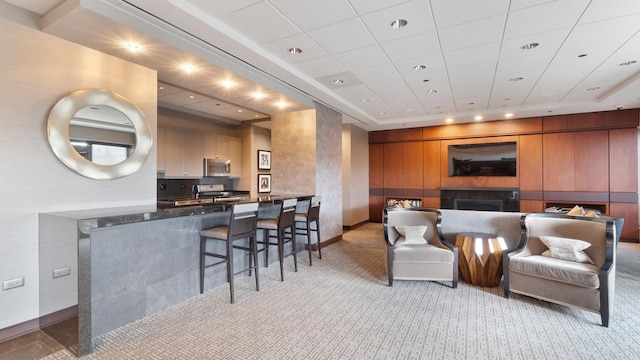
[480, 258]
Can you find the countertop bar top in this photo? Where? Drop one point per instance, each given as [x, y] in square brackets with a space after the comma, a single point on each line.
[133, 214]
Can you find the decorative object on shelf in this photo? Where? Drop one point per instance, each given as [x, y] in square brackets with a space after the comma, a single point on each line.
[264, 160]
[406, 203]
[264, 183]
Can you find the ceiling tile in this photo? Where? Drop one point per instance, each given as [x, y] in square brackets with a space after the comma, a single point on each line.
[362, 58]
[417, 14]
[312, 14]
[367, 6]
[487, 53]
[607, 9]
[344, 36]
[548, 16]
[412, 47]
[448, 13]
[377, 73]
[320, 67]
[261, 23]
[479, 32]
[219, 8]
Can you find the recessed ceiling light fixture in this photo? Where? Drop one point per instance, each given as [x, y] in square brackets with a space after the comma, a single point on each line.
[133, 47]
[517, 78]
[449, 120]
[228, 83]
[508, 115]
[582, 55]
[419, 67]
[295, 51]
[382, 113]
[191, 97]
[338, 81]
[627, 63]
[593, 88]
[258, 95]
[478, 118]
[399, 23]
[529, 46]
[432, 91]
[425, 80]
[281, 104]
[188, 68]
[160, 87]
[239, 110]
[365, 100]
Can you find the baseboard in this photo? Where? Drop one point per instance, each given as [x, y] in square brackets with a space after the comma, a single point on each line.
[324, 244]
[355, 226]
[18, 330]
[26, 327]
[58, 316]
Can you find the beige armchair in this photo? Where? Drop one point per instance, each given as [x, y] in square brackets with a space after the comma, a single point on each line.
[564, 259]
[416, 249]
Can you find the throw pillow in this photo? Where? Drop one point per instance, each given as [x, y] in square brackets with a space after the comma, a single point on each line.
[577, 210]
[412, 234]
[566, 249]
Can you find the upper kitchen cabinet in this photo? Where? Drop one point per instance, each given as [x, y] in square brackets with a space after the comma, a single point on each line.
[183, 153]
[225, 148]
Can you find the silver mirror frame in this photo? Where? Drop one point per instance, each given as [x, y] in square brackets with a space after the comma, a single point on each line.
[58, 134]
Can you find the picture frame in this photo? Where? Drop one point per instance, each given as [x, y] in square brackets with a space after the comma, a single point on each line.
[264, 183]
[264, 160]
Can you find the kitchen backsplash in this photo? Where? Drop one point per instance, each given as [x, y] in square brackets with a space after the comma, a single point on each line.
[172, 188]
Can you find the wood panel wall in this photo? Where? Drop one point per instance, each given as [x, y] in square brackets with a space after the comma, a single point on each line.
[589, 159]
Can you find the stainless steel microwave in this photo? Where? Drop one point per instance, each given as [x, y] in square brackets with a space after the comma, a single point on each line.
[217, 167]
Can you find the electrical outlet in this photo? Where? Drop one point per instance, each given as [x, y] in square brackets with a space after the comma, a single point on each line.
[13, 283]
[61, 272]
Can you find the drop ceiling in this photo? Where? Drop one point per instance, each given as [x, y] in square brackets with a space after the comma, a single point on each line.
[478, 58]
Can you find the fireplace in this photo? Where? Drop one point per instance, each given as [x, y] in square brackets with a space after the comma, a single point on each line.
[480, 199]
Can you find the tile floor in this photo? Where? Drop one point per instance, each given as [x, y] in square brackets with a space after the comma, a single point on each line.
[41, 343]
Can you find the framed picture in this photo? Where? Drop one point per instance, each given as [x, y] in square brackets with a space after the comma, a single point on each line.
[264, 183]
[264, 160]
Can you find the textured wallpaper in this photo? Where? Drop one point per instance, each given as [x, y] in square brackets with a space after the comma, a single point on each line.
[306, 158]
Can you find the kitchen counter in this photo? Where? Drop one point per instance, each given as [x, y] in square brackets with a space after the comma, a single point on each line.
[129, 262]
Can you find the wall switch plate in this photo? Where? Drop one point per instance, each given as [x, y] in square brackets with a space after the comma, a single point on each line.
[13, 283]
[61, 272]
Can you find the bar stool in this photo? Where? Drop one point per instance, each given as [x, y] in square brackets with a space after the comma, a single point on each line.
[305, 219]
[242, 225]
[277, 229]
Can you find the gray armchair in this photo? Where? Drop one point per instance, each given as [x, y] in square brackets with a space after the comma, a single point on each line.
[416, 249]
[564, 259]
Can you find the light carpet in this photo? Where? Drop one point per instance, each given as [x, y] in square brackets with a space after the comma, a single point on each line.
[341, 308]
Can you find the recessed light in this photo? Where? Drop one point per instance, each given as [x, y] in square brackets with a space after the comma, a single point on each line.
[364, 100]
[256, 115]
[191, 97]
[228, 83]
[188, 68]
[338, 81]
[593, 88]
[472, 103]
[517, 78]
[295, 51]
[419, 67]
[508, 115]
[507, 99]
[281, 104]
[258, 95]
[399, 23]
[627, 63]
[478, 118]
[160, 87]
[425, 80]
[432, 91]
[382, 113]
[449, 120]
[582, 55]
[529, 46]
[133, 47]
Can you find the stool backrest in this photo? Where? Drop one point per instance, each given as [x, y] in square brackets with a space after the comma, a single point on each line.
[287, 213]
[313, 213]
[243, 220]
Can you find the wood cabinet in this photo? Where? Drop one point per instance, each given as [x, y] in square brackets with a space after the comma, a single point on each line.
[226, 148]
[623, 160]
[403, 165]
[557, 160]
[530, 162]
[183, 153]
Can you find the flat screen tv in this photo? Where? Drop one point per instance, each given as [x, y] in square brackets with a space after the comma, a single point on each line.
[484, 159]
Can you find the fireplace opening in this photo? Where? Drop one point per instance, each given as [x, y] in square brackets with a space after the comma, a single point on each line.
[476, 204]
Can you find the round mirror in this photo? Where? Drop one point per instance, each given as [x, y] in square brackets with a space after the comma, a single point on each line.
[99, 134]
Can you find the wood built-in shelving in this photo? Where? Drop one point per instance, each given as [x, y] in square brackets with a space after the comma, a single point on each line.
[589, 159]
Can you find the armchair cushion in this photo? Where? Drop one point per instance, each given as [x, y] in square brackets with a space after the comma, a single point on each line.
[570, 272]
[409, 252]
[566, 249]
[413, 234]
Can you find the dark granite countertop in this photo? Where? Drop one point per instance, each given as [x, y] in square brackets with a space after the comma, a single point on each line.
[97, 218]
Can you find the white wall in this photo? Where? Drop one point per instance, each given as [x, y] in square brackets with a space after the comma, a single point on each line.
[355, 172]
[37, 70]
